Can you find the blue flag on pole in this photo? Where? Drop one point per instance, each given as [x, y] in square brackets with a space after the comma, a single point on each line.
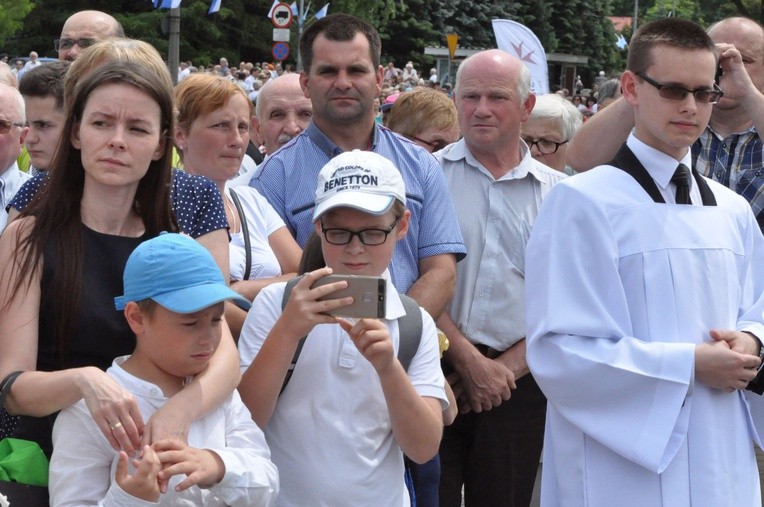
[214, 6]
[322, 12]
[294, 8]
[170, 4]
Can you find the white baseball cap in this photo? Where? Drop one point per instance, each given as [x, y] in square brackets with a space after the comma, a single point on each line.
[358, 179]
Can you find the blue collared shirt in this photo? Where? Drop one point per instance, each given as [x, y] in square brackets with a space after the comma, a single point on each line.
[11, 181]
[734, 161]
[288, 180]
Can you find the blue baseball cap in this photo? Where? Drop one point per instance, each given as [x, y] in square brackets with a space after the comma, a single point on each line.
[176, 272]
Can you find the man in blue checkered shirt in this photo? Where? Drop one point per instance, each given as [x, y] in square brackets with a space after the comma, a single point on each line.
[730, 149]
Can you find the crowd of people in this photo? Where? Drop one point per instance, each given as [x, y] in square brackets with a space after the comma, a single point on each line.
[574, 275]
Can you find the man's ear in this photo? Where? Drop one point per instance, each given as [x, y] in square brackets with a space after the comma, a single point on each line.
[629, 87]
[530, 101]
[135, 317]
[304, 76]
[255, 135]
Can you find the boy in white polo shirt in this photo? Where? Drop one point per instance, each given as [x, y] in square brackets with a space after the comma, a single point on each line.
[173, 302]
[337, 430]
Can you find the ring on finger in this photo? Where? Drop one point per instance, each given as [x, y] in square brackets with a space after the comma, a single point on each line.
[115, 426]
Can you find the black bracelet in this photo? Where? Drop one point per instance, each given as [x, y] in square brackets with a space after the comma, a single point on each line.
[5, 385]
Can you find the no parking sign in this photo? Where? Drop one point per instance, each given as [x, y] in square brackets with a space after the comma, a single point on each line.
[280, 51]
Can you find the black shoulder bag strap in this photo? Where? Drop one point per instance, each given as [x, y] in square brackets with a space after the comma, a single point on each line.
[245, 233]
[628, 162]
[284, 300]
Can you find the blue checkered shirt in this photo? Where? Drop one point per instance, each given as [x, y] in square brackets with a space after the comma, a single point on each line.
[288, 180]
[735, 162]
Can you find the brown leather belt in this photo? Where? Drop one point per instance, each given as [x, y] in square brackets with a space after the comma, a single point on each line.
[487, 351]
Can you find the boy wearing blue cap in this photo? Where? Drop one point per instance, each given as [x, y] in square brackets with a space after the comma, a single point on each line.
[338, 428]
[173, 302]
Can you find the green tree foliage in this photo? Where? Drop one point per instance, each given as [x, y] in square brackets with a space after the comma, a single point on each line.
[687, 9]
[702, 11]
[241, 30]
[12, 14]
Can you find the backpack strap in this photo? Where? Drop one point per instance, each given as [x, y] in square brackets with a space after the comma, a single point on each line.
[284, 300]
[409, 331]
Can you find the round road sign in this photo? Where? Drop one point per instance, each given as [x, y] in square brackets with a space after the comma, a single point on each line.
[282, 15]
[280, 51]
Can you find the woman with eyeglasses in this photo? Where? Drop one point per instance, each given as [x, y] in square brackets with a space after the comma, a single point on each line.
[552, 123]
[425, 116]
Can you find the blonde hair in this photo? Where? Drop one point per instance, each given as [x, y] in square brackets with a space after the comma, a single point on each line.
[114, 49]
[415, 111]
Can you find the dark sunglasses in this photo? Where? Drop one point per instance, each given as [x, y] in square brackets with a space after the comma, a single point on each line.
[676, 92]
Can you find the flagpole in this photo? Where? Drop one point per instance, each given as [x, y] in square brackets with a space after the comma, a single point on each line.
[300, 16]
[636, 14]
[173, 58]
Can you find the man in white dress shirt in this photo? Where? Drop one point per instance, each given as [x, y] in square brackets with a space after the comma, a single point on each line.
[493, 446]
[13, 130]
[645, 304]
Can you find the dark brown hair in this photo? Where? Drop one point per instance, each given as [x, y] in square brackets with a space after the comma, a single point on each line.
[56, 207]
[342, 28]
[45, 81]
[672, 32]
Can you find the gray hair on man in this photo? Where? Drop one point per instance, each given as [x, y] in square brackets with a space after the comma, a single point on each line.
[6, 76]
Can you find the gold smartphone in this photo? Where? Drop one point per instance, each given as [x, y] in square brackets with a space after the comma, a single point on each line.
[369, 295]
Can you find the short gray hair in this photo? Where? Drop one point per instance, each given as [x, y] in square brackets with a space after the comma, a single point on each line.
[608, 90]
[553, 106]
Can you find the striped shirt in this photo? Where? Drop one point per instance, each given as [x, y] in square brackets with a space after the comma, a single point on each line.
[288, 180]
[735, 162]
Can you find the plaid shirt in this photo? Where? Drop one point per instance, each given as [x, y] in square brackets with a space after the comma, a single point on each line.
[735, 162]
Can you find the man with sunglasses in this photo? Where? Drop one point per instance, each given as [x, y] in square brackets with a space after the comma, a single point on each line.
[12, 134]
[84, 29]
[493, 446]
[730, 149]
[645, 305]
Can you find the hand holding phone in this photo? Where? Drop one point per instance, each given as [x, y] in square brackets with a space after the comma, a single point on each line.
[369, 295]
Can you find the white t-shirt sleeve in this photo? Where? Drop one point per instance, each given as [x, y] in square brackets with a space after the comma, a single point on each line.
[265, 311]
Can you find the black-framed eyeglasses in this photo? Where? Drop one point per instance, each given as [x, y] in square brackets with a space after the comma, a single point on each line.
[67, 44]
[369, 237]
[545, 146]
[676, 92]
[5, 126]
[436, 145]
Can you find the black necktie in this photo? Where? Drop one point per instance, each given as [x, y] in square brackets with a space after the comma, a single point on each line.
[681, 179]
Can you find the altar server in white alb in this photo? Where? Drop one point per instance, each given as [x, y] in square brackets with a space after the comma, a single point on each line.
[645, 314]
